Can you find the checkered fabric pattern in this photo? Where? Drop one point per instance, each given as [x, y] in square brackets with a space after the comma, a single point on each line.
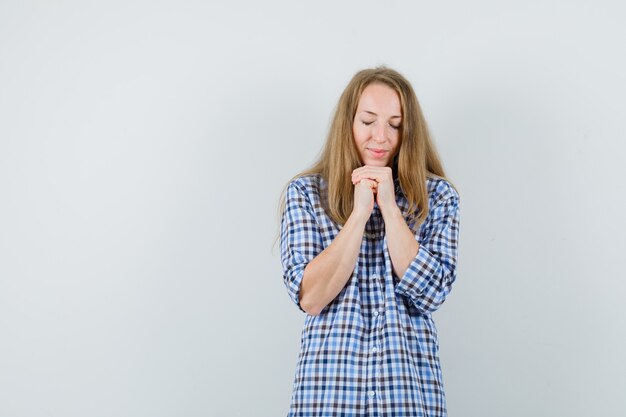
[373, 351]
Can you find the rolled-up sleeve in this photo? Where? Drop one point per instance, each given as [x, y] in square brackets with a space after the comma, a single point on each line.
[300, 239]
[430, 275]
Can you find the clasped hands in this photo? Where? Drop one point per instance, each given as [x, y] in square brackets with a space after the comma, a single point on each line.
[374, 182]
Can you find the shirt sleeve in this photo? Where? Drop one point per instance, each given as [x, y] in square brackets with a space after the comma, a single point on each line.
[430, 275]
[300, 239]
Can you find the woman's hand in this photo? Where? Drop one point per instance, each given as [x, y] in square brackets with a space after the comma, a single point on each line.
[383, 185]
[364, 197]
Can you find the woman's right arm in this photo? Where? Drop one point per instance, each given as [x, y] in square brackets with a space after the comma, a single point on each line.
[315, 275]
[326, 275]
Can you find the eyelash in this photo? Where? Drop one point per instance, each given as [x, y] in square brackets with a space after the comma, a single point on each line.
[367, 124]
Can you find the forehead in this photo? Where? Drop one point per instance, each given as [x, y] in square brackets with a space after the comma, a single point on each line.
[378, 98]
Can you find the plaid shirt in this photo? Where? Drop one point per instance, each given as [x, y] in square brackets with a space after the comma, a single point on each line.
[373, 350]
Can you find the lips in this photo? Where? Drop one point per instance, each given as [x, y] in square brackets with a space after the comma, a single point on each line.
[378, 153]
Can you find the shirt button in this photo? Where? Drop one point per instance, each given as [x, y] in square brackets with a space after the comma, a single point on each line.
[375, 276]
[374, 349]
[376, 313]
[371, 394]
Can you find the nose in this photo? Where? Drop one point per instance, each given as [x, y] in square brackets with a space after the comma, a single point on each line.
[379, 134]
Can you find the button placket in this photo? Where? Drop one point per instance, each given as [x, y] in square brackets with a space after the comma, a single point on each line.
[374, 359]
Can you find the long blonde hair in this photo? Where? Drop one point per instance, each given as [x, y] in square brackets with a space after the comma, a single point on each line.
[416, 159]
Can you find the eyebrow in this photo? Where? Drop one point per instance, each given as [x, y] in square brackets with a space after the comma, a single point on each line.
[371, 112]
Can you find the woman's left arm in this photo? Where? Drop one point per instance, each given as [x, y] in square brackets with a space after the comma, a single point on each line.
[426, 269]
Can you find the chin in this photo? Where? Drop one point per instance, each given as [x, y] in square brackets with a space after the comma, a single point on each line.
[377, 163]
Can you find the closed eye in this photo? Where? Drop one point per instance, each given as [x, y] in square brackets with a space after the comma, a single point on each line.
[369, 123]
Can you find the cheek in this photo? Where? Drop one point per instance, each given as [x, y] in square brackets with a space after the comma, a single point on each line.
[359, 134]
[396, 141]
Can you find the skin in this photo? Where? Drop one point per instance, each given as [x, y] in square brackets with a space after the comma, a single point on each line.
[376, 126]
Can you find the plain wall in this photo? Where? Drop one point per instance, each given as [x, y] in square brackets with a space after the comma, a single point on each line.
[144, 146]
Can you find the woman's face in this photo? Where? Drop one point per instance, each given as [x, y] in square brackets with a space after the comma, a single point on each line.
[376, 125]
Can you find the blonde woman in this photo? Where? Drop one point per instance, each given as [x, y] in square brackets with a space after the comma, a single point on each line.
[369, 239]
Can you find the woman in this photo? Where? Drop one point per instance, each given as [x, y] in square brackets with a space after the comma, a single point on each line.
[369, 240]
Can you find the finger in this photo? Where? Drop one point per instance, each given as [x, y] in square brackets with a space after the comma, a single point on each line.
[357, 178]
[378, 174]
[375, 178]
[371, 184]
[372, 170]
[363, 172]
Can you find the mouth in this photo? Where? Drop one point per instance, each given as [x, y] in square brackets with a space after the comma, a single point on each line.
[377, 153]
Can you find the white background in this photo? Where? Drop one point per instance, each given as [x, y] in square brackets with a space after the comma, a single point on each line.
[144, 145]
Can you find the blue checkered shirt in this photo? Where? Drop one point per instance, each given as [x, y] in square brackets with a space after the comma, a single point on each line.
[373, 351]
